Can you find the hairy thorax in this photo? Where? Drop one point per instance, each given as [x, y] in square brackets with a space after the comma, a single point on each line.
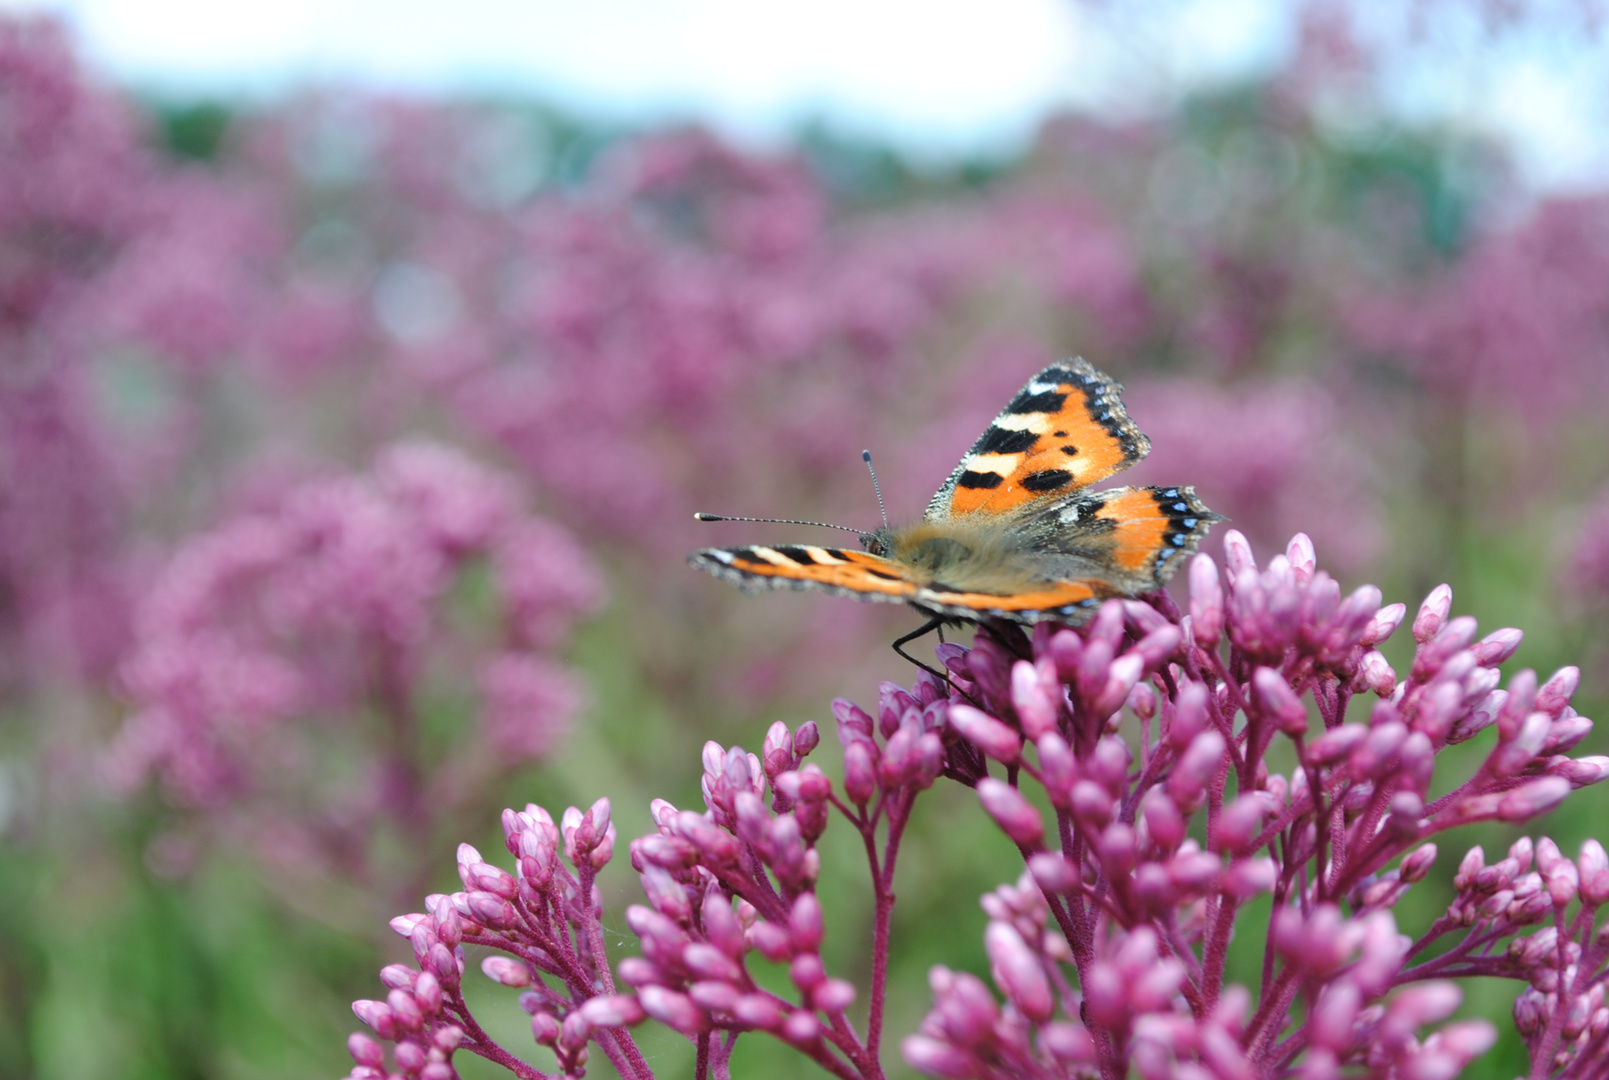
[982, 557]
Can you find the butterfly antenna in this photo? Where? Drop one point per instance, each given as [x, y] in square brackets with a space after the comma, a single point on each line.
[774, 521]
[866, 456]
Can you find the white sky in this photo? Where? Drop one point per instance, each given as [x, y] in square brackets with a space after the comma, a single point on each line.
[935, 77]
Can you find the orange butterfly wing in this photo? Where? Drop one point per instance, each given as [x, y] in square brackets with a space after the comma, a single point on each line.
[806, 566]
[1064, 431]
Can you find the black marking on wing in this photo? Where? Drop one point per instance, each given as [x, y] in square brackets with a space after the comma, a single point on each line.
[970, 479]
[796, 553]
[998, 440]
[1046, 480]
[1070, 451]
[1188, 521]
[1049, 401]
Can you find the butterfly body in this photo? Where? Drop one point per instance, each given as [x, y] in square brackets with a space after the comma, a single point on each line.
[1012, 534]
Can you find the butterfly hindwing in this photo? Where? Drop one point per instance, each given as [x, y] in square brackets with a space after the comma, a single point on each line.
[1134, 537]
[1067, 600]
[805, 566]
[1066, 430]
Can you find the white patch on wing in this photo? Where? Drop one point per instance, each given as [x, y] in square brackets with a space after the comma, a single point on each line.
[822, 555]
[1038, 423]
[720, 556]
[772, 556]
[995, 463]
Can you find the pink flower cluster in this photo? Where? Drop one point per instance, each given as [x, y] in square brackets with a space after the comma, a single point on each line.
[1131, 762]
[265, 644]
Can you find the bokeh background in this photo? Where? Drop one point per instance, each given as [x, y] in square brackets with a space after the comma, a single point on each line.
[361, 367]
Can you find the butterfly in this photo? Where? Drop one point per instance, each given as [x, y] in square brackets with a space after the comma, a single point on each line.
[1013, 534]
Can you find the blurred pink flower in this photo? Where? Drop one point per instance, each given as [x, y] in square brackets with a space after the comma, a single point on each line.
[317, 622]
[1267, 454]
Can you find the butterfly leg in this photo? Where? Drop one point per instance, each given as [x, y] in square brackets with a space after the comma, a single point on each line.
[931, 624]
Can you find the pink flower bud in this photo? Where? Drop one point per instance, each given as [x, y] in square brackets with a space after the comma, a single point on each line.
[989, 735]
[1497, 646]
[445, 964]
[1383, 625]
[801, 1028]
[1093, 667]
[1091, 804]
[804, 923]
[1206, 601]
[759, 1011]
[378, 1016]
[1018, 971]
[1194, 870]
[1417, 863]
[722, 927]
[1302, 558]
[1237, 553]
[637, 971]
[1053, 873]
[1279, 701]
[1533, 799]
[1433, 613]
[365, 1051]
[506, 970]
[545, 1028]
[1158, 647]
[1593, 866]
[1582, 771]
[613, 1010]
[674, 1010]
[1555, 694]
[1246, 878]
[853, 722]
[1334, 745]
[807, 971]
[1239, 823]
[1189, 715]
[1067, 1043]
[1163, 822]
[666, 894]
[714, 995]
[1375, 673]
[833, 996]
[1374, 758]
[715, 846]
[491, 910]
[1510, 758]
[1333, 1023]
[860, 772]
[1109, 764]
[1036, 695]
[807, 738]
[707, 962]
[1014, 814]
[934, 1057]
[1196, 767]
[1121, 676]
[1058, 769]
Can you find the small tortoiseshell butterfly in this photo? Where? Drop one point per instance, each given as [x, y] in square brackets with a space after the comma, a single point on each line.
[1012, 534]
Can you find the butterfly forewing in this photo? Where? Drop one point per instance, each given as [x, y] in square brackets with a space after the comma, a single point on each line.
[1064, 431]
[806, 566]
